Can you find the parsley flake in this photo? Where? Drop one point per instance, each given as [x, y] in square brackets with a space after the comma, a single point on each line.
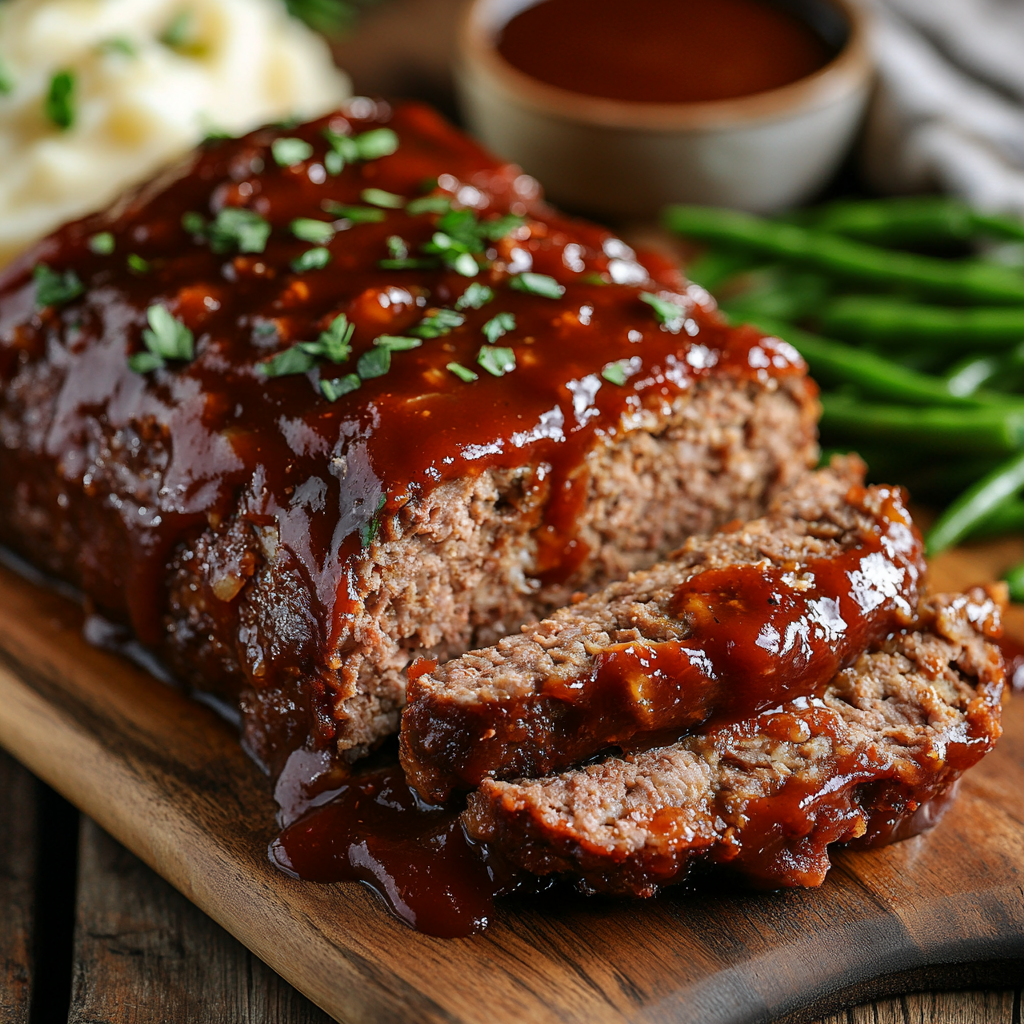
[291, 361]
[398, 247]
[329, 17]
[499, 326]
[194, 223]
[370, 530]
[166, 338]
[53, 289]
[59, 105]
[178, 33]
[428, 204]
[137, 264]
[374, 362]
[378, 197]
[538, 284]
[475, 296]
[495, 360]
[499, 228]
[311, 259]
[6, 81]
[617, 372]
[333, 389]
[374, 144]
[334, 344]
[438, 324]
[397, 343]
[319, 232]
[356, 214]
[120, 45]
[102, 244]
[237, 228]
[289, 152]
[667, 313]
[462, 372]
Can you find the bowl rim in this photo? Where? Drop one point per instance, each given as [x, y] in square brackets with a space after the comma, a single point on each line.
[849, 68]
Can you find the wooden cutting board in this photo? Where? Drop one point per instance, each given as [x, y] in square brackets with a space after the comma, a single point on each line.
[165, 776]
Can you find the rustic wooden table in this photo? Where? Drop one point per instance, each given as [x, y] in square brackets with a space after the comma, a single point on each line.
[90, 935]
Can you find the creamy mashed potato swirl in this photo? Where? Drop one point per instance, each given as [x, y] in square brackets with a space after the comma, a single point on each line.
[149, 78]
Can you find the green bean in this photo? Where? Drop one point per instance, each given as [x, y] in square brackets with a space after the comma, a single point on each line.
[942, 430]
[819, 250]
[965, 377]
[778, 292]
[1006, 517]
[1015, 584]
[837, 363]
[978, 501]
[896, 321]
[716, 266]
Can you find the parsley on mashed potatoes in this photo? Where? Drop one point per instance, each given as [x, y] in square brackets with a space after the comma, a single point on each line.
[96, 95]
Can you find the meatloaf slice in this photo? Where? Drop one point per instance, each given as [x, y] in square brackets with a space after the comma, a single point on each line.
[734, 623]
[327, 398]
[768, 795]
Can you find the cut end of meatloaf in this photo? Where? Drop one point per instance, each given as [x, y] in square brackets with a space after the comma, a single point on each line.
[766, 797]
[294, 531]
[677, 644]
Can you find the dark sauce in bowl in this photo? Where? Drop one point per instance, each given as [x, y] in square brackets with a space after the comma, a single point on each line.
[665, 51]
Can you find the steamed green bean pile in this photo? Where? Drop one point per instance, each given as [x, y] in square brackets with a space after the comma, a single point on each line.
[910, 314]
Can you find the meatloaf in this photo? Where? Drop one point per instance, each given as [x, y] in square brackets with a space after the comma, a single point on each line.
[732, 624]
[862, 763]
[329, 398]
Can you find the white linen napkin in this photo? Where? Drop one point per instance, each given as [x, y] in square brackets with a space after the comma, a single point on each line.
[949, 111]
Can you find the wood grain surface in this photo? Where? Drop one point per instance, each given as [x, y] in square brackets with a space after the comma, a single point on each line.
[166, 777]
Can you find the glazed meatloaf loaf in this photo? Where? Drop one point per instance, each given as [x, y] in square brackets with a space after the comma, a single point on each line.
[732, 624]
[326, 399]
[871, 759]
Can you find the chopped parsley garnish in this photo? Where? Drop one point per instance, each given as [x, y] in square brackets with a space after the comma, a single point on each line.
[495, 360]
[289, 152]
[410, 263]
[59, 105]
[102, 244]
[180, 35]
[397, 343]
[428, 204]
[137, 264]
[497, 229]
[333, 389]
[331, 17]
[356, 214]
[194, 223]
[6, 81]
[667, 313]
[311, 259]
[378, 197]
[475, 296]
[166, 338]
[374, 362]
[398, 247]
[377, 142]
[334, 345]
[498, 326]
[438, 324]
[347, 149]
[462, 372]
[616, 373]
[233, 228]
[120, 45]
[538, 284]
[371, 529]
[291, 361]
[53, 289]
[319, 232]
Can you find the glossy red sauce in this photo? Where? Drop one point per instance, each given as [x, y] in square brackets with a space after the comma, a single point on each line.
[750, 637]
[417, 858]
[324, 472]
[662, 51]
[1013, 654]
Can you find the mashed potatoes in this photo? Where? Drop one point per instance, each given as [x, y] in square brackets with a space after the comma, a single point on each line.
[98, 94]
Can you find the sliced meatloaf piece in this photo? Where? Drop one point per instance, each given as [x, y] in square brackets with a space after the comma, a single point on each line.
[327, 398]
[732, 624]
[767, 796]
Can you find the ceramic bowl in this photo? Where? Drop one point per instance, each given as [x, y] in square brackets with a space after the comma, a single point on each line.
[762, 153]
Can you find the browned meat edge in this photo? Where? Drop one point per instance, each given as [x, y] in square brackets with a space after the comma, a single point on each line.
[450, 572]
[768, 796]
[532, 704]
